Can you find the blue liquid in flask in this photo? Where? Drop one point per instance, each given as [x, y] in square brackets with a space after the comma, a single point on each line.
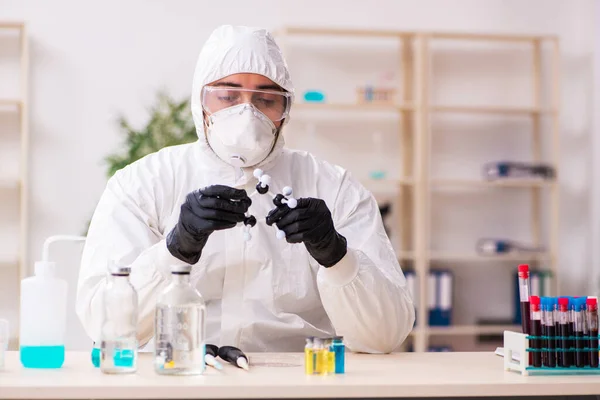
[96, 357]
[42, 356]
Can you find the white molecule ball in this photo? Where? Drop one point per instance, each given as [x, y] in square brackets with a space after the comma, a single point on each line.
[265, 179]
[287, 191]
[258, 173]
[292, 202]
[280, 234]
[247, 236]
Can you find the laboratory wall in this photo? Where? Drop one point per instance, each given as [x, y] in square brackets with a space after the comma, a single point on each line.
[92, 62]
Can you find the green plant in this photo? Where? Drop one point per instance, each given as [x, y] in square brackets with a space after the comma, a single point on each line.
[170, 124]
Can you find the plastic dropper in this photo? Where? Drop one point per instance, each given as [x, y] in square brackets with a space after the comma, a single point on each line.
[212, 352]
[234, 356]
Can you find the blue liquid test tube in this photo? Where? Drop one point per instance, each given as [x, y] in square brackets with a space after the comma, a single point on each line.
[339, 349]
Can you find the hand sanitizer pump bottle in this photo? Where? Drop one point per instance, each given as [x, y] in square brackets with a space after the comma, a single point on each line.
[43, 313]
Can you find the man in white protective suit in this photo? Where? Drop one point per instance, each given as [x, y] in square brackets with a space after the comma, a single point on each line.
[334, 273]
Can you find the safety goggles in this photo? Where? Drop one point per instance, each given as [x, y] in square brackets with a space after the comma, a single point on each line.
[275, 105]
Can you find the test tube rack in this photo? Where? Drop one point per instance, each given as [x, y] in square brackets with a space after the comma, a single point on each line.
[516, 357]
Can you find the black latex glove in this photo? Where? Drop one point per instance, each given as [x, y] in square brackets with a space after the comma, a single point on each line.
[311, 223]
[205, 211]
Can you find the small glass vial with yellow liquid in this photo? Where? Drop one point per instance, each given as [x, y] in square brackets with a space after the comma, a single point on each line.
[309, 356]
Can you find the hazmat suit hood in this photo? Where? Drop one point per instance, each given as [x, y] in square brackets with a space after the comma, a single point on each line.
[233, 50]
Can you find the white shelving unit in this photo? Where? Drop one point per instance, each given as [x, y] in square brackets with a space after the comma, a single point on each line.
[17, 105]
[415, 109]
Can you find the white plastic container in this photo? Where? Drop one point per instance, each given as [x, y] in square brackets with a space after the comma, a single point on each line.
[43, 318]
[43, 314]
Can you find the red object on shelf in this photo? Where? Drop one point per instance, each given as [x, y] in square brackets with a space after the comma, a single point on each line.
[523, 271]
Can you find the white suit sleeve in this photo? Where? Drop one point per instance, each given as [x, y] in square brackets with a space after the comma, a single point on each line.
[124, 229]
[365, 293]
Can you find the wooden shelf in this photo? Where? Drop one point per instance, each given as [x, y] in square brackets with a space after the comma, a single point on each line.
[508, 183]
[9, 184]
[299, 30]
[489, 110]
[490, 37]
[405, 255]
[8, 262]
[410, 107]
[353, 107]
[11, 25]
[470, 329]
[387, 182]
[474, 257]
[11, 103]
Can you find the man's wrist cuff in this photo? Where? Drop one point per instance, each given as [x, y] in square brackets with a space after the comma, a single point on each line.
[342, 273]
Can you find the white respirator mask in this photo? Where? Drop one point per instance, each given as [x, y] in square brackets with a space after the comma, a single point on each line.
[241, 135]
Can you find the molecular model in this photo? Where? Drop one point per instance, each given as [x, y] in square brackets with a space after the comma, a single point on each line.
[262, 187]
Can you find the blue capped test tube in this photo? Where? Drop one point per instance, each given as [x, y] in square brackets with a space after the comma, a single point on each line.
[571, 341]
[548, 322]
[559, 353]
[579, 333]
[339, 350]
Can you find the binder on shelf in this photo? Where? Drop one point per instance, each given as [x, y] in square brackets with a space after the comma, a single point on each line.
[412, 285]
[445, 301]
[439, 349]
[546, 282]
[440, 297]
[431, 297]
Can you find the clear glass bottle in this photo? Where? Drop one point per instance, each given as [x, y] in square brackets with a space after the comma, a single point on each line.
[180, 327]
[118, 341]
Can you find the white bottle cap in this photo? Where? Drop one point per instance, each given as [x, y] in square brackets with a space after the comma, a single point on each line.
[45, 268]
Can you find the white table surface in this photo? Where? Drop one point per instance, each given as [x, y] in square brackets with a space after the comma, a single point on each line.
[282, 376]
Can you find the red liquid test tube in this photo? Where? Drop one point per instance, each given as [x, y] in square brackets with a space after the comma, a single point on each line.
[536, 330]
[524, 294]
[592, 323]
[563, 332]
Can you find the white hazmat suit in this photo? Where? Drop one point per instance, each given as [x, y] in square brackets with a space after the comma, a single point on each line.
[265, 294]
